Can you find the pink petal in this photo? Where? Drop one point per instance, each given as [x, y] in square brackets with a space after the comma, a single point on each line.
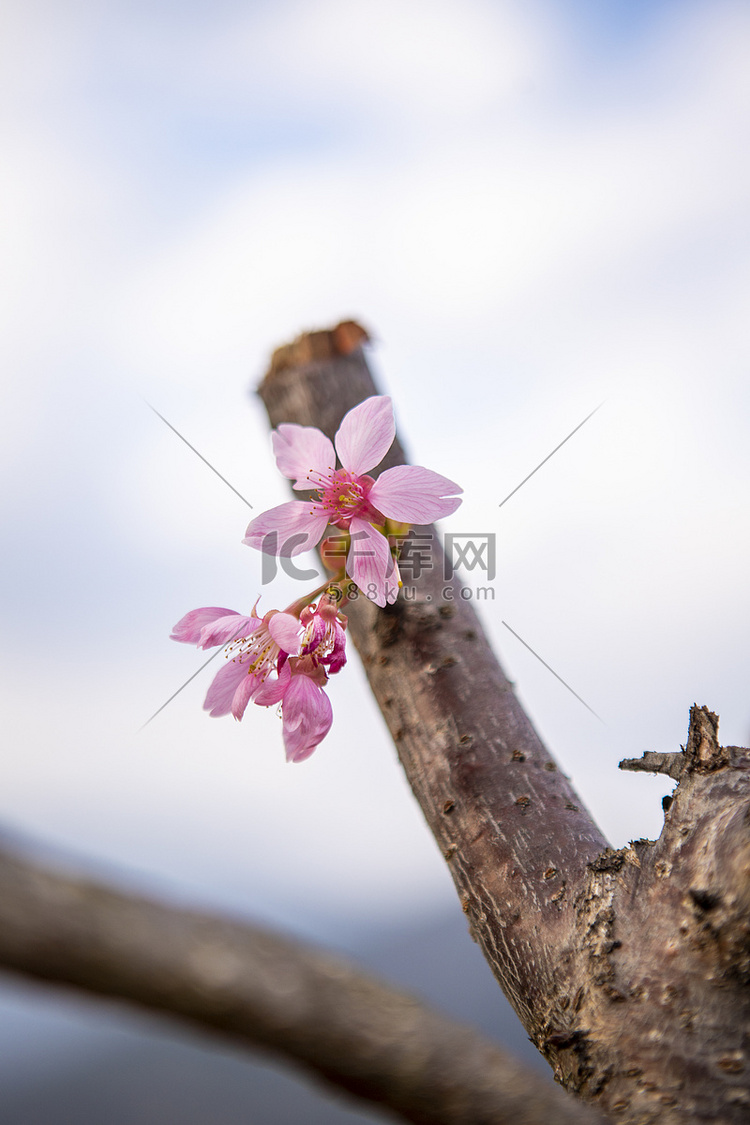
[366, 434]
[370, 563]
[188, 629]
[273, 691]
[307, 715]
[225, 683]
[229, 628]
[288, 530]
[303, 450]
[286, 631]
[317, 632]
[414, 495]
[337, 659]
[248, 688]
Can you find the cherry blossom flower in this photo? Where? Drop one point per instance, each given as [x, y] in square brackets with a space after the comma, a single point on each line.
[348, 497]
[255, 648]
[306, 710]
[300, 652]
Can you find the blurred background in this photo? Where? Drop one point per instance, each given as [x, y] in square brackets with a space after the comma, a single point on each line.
[535, 206]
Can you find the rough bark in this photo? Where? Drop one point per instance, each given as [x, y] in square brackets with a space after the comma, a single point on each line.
[268, 992]
[632, 987]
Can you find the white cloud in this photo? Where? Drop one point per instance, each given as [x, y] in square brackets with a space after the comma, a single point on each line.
[527, 239]
[428, 64]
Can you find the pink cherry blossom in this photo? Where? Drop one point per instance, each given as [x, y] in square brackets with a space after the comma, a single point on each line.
[348, 497]
[306, 710]
[255, 647]
[300, 652]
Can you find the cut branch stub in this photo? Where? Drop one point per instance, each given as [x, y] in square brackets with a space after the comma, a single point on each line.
[702, 750]
[673, 765]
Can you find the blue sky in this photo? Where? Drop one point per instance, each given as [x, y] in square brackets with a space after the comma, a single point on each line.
[535, 207]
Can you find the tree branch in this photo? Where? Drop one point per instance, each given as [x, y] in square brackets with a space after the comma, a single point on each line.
[672, 765]
[268, 992]
[619, 979]
[514, 832]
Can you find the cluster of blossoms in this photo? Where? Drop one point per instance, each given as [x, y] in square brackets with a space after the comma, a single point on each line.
[277, 658]
[286, 657]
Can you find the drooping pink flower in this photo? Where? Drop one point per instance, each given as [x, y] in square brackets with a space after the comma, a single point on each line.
[348, 497]
[297, 651]
[256, 647]
[306, 710]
